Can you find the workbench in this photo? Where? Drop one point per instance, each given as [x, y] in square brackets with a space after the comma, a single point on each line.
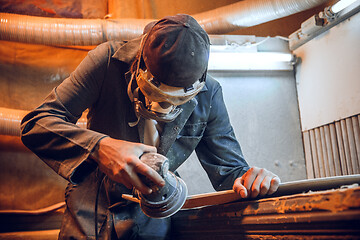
[330, 214]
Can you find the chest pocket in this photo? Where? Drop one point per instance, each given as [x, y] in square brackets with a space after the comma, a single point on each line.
[186, 142]
[193, 130]
[191, 134]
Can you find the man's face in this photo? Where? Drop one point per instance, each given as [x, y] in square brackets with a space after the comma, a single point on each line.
[157, 100]
[150, 102]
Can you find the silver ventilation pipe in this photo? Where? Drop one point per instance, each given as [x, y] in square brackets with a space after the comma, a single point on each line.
[250, 13]
[55, 31]
[10, 120]
[66, 31]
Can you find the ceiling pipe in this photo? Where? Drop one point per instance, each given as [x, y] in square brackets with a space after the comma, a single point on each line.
[245, 14]
[10, 120]
[85, 32]
[66, 31]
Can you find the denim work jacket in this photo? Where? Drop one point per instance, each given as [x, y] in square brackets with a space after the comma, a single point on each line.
[99, 84]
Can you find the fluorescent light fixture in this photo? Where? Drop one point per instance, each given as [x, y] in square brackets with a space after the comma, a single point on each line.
[249, 61]
[340, 5]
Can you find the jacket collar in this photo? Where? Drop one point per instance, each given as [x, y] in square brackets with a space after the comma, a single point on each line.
[128, 51]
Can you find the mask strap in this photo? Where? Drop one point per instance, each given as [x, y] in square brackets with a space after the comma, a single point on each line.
[134, 73]
[129, 88]
[132, 99]
[133, 124]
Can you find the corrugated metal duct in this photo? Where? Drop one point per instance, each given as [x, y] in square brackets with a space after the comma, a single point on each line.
[54, 31]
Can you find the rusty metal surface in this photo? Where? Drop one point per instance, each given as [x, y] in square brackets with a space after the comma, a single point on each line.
[331, 214]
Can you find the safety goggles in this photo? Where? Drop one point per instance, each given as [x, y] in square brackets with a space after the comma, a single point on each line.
[157, 91]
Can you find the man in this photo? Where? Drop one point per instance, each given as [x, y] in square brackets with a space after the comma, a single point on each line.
[150, 94]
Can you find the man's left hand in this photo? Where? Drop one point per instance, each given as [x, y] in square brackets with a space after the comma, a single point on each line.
[256, 182]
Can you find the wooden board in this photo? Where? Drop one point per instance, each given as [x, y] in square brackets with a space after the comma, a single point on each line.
[288, 188]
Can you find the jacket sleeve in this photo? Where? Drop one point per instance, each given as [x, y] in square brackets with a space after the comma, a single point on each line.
[50, 130]
[219, 151]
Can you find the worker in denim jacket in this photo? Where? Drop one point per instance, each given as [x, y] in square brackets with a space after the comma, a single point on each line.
[150, 94]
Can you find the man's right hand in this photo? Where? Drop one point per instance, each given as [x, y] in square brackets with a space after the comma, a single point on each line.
[119, 160]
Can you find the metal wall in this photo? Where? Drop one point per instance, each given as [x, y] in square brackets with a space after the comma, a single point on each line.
[333, 149]
[329, 100]
[264, 112]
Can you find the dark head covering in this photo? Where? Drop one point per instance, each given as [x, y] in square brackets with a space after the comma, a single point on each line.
[176, 50]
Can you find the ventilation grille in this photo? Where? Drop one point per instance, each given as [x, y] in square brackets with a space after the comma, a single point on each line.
[333, 149]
